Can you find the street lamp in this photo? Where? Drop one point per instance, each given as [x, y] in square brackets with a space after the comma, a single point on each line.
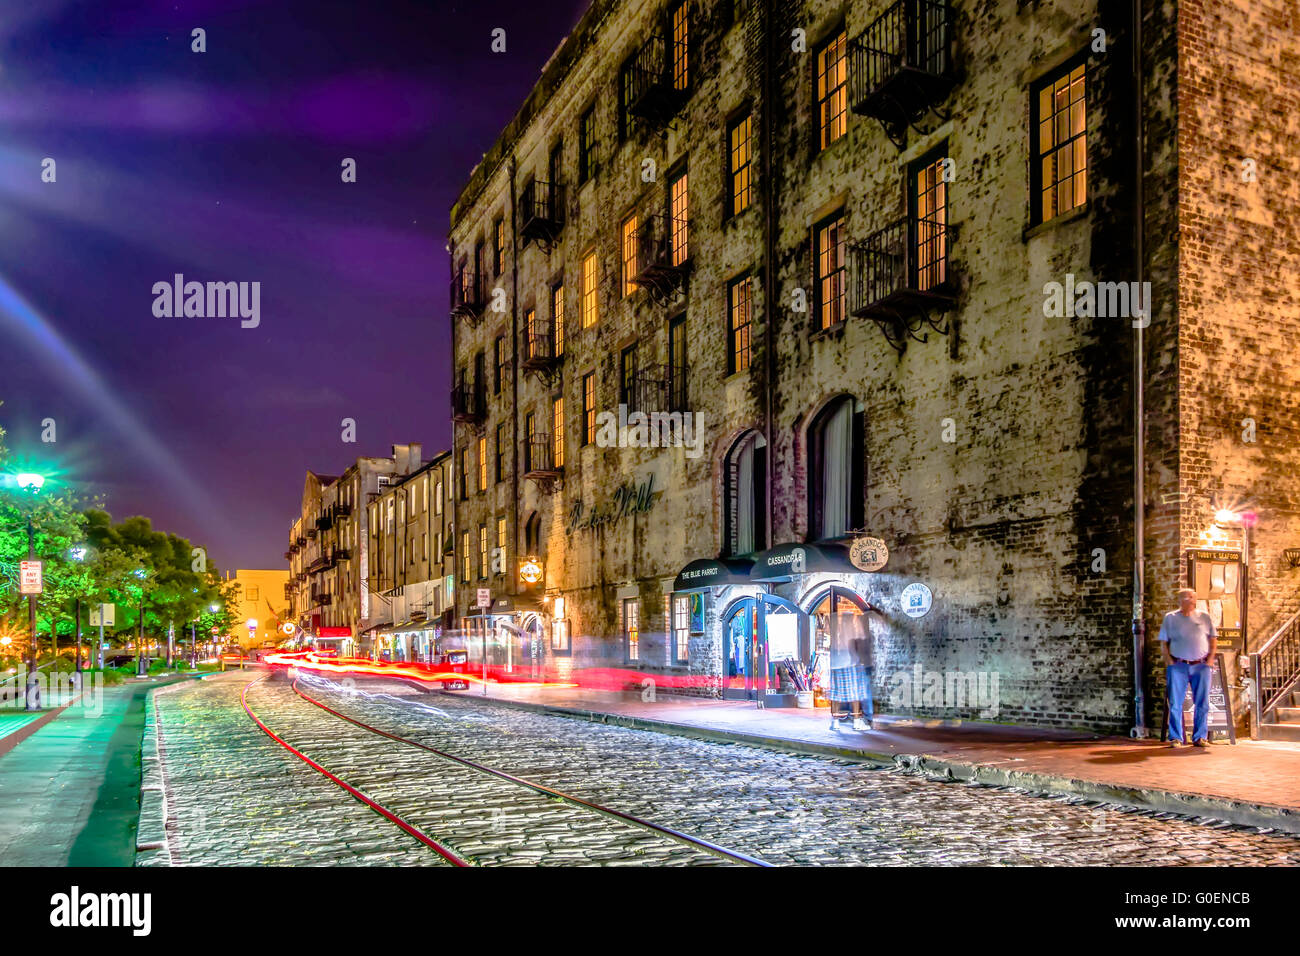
[78, 553]
[141, 668]
[31, 483]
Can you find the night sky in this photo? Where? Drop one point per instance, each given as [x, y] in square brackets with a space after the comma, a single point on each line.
[225, 166]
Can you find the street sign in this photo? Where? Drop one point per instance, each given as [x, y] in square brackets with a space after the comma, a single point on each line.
[102, 615]
[484, 598]
[29, 577]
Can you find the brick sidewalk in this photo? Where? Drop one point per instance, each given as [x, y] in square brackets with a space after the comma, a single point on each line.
[1255, 783]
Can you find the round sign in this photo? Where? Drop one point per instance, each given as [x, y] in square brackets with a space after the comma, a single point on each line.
[288, 628]
[216, 630]
[868, 554]
[530, 571]
[916, 600]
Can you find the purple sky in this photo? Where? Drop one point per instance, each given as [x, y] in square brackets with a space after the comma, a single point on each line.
[225, 166]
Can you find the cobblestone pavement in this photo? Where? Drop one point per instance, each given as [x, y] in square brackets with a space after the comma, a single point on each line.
[784, 808]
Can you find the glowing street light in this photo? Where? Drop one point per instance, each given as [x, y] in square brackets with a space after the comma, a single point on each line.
[31, 483]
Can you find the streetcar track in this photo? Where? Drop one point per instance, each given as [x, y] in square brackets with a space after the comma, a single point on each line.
[686, 839]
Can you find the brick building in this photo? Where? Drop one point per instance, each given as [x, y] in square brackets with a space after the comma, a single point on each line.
[890, 266]
[412, 560]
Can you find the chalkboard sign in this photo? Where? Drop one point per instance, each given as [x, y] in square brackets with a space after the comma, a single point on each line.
[1220, 703]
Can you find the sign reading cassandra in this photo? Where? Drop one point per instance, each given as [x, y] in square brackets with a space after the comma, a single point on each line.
[628, 499]
[212, 300]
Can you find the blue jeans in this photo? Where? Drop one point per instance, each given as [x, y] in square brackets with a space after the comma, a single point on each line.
[1177, 676]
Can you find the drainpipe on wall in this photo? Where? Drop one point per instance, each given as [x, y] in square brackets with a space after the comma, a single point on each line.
[1140, 728]
[514, 378]
[769, 273]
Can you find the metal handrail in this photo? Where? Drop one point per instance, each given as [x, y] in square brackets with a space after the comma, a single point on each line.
[1276, 666]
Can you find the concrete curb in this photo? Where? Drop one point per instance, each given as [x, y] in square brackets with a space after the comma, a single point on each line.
[1204, 808]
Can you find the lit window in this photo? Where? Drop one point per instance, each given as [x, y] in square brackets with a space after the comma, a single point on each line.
[681, 24]
[587, 145]
[557, 318]
[930, 206]
[482, 551]
[589, 316]
[832, 99]
[500, 249]
[738, 347]
[1061, 156]
[557, 431]
[501, 452]
[740, 156]
[482, 464]
[681, 627]
[679, 215]
[831, 286]
[627, 243]
[589, 408]
[632, 629]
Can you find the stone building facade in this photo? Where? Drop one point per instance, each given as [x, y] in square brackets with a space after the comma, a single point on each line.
[905, 305]
[329, 582]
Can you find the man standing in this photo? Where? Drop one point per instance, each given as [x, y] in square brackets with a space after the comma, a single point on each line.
[1187, 639]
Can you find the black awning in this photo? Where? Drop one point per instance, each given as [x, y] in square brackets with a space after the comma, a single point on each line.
[785, 561]
[713, 572]
[515, 603]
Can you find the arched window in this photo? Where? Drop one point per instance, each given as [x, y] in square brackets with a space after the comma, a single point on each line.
[835, 472]
[745, 498]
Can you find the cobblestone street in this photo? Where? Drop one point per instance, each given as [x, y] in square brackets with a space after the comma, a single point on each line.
[236, 796]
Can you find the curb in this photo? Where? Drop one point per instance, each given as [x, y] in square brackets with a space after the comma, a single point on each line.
[1205, 807]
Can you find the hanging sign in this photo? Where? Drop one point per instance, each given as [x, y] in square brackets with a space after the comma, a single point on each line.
[868, 554]
[530, 571]
[29, 577]
[916, 600]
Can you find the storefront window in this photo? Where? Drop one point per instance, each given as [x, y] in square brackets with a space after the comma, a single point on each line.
[632, 629]
[681, 627]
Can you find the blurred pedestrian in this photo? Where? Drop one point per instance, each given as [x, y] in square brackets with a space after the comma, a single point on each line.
[852, 668]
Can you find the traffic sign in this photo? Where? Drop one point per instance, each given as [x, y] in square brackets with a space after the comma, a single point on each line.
[102, 615]
[484, 598]
[30, 578]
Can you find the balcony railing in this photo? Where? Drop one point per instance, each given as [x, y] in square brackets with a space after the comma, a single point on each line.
[901, 276]
[325, 522]
[539, 457]
[468, 403]
[541, 212]
[649, 91]
[539, 346]
[661, 388]
[468, 296]
[901, 65]
[662, 254]
[1276, 671]
[342, 509]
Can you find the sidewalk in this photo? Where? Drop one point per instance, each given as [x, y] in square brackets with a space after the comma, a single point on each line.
[71, 788]
[1255, 783]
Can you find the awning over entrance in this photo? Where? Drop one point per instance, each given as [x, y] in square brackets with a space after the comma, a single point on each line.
[784, 561]
[515, 603]
[713, 572]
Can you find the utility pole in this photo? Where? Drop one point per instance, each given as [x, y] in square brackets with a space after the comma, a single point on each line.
[33, 683]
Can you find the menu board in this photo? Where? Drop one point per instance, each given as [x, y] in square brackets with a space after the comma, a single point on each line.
[1219, 580]
[1220, 703]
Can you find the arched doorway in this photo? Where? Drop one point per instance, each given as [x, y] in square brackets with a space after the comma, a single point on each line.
[759, 634]
[827, 609]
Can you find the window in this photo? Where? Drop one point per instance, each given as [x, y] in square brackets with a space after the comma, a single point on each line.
[627, 243]
[929, 207]
[1060, 167]
[738, 321]
[530, 433]
[482, 464]
[679, 220]
[681, 26]
[501, 452]
[480, 266]
[587, 145]
[557, 318]
[482, 551]
[832, 78]
[437, 498]
[681, 627]
[464, 474]
[253, 594]
[677, 364]
[464, 556]
[589, 408]
[559, 628]
[424, 494]
[390, 514]
[499, 363]
[501, 538]
[499, 246]
[625, 82]
[424, 545]
[589, 316]
[557, 431]
[831, 287]
[627, 377]
[835, 471]
[632, 629]
[739, 169]
[745, 496]
[555, 164]
[530, 331]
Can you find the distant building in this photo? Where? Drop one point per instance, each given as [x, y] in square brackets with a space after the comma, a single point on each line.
[260, 597]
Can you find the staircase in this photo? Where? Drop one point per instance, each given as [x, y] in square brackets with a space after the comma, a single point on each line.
[1275, 667]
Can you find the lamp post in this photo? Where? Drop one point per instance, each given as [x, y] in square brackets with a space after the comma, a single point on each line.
[78, 554]
[141, 667]
[31, 483]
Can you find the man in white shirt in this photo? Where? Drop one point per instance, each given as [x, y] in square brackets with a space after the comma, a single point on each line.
[1187, 639]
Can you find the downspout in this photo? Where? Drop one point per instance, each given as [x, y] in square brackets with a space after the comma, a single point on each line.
[511, 170]
[769, 273]
[1140, 729]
